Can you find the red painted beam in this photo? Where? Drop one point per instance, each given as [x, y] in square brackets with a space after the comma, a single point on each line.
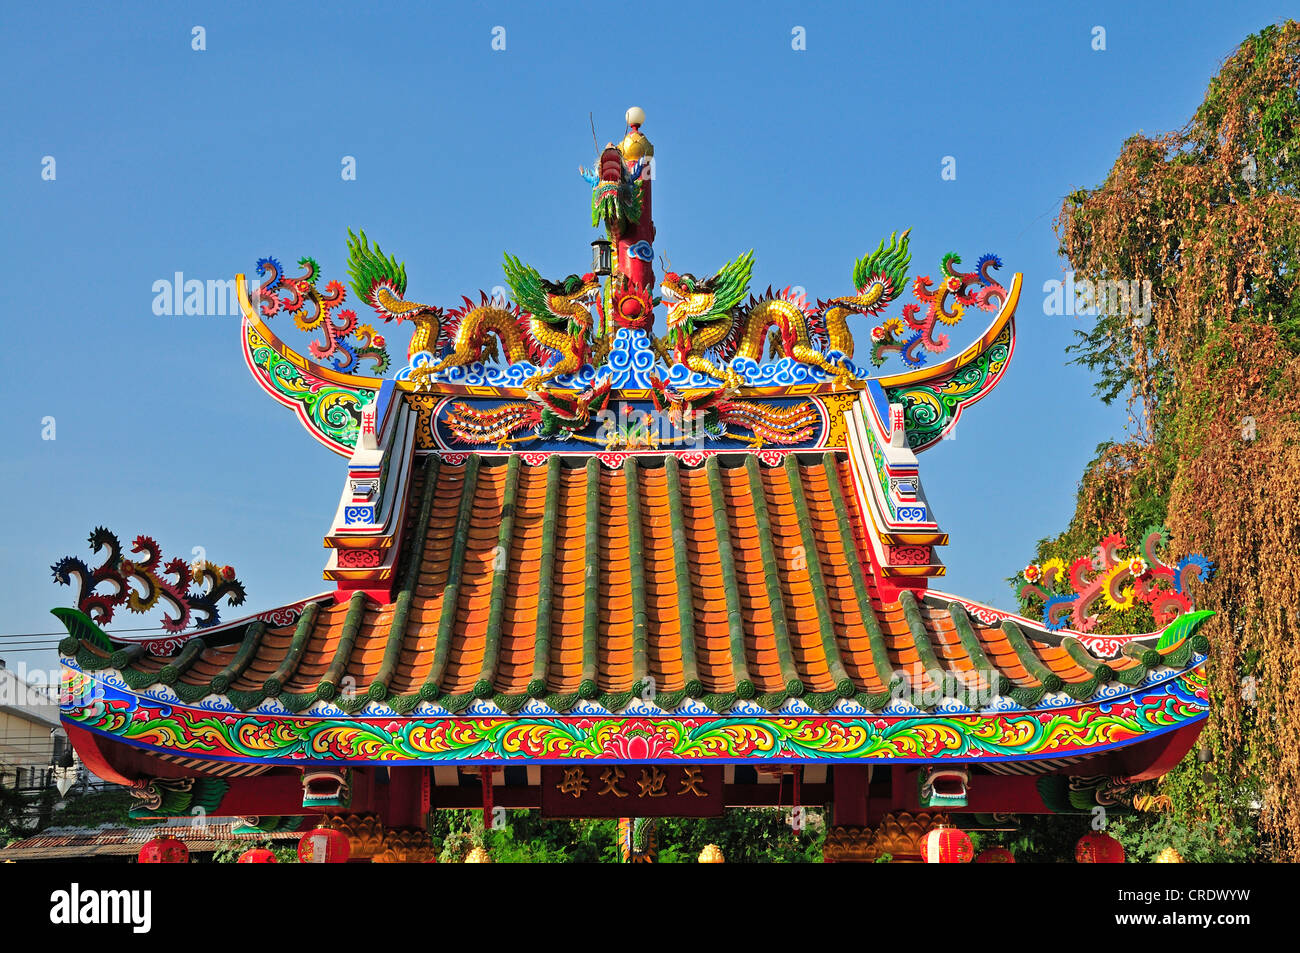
[93, 750]
[1156, 758]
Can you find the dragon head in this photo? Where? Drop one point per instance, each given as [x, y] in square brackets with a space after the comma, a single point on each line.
[581, 290]
[563, 305]
[569, 299]
[677, 287]
[693, 301]
[615, 195]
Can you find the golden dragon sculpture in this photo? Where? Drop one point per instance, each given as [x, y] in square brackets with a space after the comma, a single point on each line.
[708, 322]
[547, 316]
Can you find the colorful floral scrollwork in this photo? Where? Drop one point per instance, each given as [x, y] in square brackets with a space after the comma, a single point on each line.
[1163, 706]
[330, 411]
[931, 407]
[945, 304]
[313, 310]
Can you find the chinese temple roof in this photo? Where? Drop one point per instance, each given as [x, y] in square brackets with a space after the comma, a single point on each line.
[718, 587]
[716, 541]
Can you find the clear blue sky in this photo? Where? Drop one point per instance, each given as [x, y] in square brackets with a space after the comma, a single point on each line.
[200, 162]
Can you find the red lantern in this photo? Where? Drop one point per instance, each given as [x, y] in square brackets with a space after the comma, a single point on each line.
[323, 845]
[164, 850]
[947, 845]
[258, 855]
[1096, 847]
[995, 855]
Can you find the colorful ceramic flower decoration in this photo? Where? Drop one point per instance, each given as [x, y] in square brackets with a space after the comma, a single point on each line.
[1118, 580]
[945, 304]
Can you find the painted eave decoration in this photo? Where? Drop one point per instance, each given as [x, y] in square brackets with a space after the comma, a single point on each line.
[1165, 700]
[1047, 701]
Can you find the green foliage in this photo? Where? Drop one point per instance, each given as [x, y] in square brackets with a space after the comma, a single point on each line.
[1224, 830]
[1036, 838]
[746, 835]
[228, 852]
[526, 837]
[1209, 216]
[1169, 201]
[110, 806]
[12, 806]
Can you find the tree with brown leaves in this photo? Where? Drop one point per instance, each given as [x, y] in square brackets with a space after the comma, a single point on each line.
[1210, 215]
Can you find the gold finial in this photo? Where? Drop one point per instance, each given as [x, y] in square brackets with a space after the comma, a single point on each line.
[635, 145]
[712, 854]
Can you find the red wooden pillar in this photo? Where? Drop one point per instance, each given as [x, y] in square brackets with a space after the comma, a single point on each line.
[404, 797]
[850, 786]
[485, 777]
[901, 794]
[635, 146]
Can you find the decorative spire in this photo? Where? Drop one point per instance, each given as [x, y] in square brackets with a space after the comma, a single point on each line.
[621, 199]
[635, 145]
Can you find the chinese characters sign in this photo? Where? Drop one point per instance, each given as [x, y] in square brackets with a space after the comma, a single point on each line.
[629, 790]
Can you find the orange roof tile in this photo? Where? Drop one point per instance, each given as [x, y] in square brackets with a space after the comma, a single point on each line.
[726, 580]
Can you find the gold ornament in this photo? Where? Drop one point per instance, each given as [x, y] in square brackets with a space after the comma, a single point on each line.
[478, 856]
[405, 846]
[365, 833]
[636, 146]
[1169, 856]
[712, 854]
[900, 835]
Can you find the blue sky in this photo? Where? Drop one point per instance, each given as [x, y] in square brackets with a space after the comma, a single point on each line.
[170, 159]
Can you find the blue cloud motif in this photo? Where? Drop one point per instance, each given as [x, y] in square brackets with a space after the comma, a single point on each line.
[632, 361]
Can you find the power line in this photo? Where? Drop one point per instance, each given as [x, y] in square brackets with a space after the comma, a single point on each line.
[146, 628]
[28, 647]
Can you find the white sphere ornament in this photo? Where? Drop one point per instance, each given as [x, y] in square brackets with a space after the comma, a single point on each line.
[636, 116]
